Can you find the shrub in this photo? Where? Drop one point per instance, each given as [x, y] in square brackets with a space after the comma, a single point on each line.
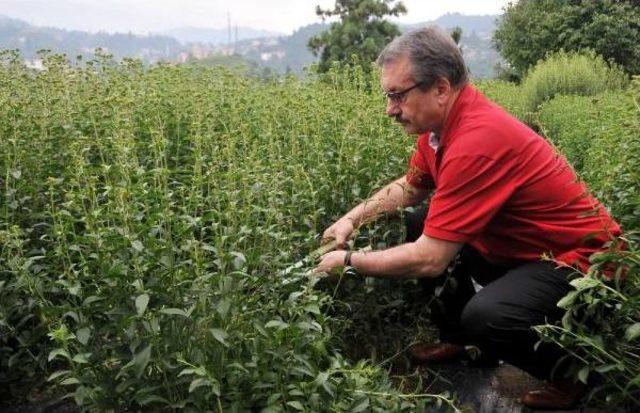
[612, 162]
[583, 74]
[528, 29]
[569, 123]
[506, 94]
[146, 217]
[600, 136]
[601, 327]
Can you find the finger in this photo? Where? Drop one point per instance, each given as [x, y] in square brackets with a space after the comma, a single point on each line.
[326, 276]
[328, 234]
[341, 241]
[324, 249]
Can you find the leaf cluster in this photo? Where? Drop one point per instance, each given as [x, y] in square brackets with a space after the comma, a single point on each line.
[530, 29]
[146, 216]
[359, 36]
[600, 136]
[601, 326]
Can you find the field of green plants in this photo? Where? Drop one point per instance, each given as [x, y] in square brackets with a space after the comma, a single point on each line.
[150, 220]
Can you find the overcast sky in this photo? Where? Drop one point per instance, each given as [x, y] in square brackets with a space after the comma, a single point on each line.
[142, 16]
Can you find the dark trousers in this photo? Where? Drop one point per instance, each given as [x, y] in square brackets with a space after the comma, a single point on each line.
[498, 318]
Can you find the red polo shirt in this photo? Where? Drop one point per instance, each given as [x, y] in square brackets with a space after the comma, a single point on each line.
[503, 189]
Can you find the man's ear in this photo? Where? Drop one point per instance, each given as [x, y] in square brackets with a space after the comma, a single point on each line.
[443, 89]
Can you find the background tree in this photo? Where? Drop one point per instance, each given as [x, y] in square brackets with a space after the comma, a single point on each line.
[456, 34]
[529, 29]
[362, 31]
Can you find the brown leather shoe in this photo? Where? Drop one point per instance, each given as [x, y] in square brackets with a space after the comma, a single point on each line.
[437, 353]
[554, 396]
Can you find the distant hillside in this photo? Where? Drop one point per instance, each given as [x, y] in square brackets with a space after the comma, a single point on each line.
[216, 36]
[266, 54]
[484, 24]
[285, 53]
[17, 34]
[478, 51]
[290, 53]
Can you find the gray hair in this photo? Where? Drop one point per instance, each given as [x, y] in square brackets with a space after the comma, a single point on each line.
[433, 54]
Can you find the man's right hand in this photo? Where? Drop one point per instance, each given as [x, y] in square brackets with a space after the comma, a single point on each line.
[340, 231]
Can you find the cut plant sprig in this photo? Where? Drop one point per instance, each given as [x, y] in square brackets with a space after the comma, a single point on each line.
[290, 275]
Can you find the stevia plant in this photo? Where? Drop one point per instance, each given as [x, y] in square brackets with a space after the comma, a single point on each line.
[601, 326]
[146, 217]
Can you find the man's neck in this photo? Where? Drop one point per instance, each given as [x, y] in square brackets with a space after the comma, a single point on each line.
[447, 109]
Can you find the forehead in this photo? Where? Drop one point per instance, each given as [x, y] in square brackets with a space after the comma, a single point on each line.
[396, 74]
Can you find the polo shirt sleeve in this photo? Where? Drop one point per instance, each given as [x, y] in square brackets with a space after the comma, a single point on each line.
[418, 174]
[471, 190]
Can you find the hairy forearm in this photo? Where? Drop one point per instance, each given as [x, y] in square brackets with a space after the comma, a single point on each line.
[397, 263]
[397, 194]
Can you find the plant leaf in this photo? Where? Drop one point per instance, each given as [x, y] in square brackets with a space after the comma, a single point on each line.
[59, 352]
[361, 406]
[174, 311]
[312, 308]
[137, 245]
[199, 382]
[296, 405]
[279, 324]
[70, 380]
[57, 374]
[583, 374]
[584, 283]
[632, 332]
[220, 335]
[566, 301]
[83, 334]
[141, 359]
[141, 303]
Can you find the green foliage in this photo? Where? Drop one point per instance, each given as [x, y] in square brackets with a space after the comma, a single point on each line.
[611, 163]
[600, 136]
[456, 34]
[146, 217]
[235, 63]
[600, 328]
[506, 94]
[572, 123]
[529, 29]
[361, 33]
[563, 73]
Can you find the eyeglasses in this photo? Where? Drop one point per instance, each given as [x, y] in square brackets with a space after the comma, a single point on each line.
[399, 97]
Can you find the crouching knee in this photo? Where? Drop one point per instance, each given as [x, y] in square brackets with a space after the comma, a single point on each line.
[480, 318]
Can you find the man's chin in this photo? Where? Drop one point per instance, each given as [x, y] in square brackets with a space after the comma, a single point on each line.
[411, 129]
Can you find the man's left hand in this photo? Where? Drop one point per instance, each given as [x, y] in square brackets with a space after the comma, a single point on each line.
[330, 261]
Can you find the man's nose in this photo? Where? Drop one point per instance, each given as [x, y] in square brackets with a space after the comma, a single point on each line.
[392, 108]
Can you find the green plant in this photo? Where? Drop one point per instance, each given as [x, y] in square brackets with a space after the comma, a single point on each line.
[570, 73]
[530, 29]
[601, 327]
[506, 94]
[600, 136]
[146, 217]
[359, 36]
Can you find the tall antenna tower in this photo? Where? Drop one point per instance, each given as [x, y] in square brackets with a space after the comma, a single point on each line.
[228, 29]
[235, 42]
